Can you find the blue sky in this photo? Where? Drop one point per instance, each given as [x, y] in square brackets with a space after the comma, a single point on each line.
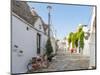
[64, 18]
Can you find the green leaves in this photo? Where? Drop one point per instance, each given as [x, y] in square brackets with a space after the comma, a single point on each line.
[49, 48]
[69, 38]
[76, 37]
[81, 39]
[73, 38]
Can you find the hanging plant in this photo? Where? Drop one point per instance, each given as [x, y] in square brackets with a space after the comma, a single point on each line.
[76, 39]
[69, 39]
[73, 40]
[81, 37]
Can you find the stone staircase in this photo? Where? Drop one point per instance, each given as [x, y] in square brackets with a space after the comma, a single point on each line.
[64, 60]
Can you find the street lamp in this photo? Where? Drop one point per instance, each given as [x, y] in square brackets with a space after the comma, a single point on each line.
[49, 19]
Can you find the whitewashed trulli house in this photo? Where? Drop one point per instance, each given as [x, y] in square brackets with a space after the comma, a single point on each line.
[92, 40]
[28, 36]
[90, 43]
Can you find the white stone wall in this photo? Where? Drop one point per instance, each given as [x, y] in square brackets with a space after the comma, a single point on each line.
[38, 24]
[92, 40]
[92, 49]
[26, 42]
[89, 45]
[53, 43]
[86, 50]
[44, 37]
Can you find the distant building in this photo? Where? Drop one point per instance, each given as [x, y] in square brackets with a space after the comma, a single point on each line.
[63, 44]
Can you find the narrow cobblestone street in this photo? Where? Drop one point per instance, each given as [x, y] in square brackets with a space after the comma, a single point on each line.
[66, 61]
[52, 37]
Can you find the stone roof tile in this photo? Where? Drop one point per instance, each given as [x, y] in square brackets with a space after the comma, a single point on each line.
[22, 9]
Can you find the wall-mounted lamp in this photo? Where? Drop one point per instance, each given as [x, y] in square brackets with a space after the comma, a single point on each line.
[27, 28]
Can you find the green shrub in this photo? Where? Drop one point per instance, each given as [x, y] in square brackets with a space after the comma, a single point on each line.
[76, 37]
[49, 48]
[73, 40]
[81, 39]
[69, 38]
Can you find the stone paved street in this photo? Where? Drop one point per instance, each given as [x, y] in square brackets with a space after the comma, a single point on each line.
[66, 61]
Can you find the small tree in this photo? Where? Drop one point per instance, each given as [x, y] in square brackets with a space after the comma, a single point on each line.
[76, 39]
[73, 39]
[69, 38]
[81, 37]
[49, 49]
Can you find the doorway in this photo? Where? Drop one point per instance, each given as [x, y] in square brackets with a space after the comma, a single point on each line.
[38, 43]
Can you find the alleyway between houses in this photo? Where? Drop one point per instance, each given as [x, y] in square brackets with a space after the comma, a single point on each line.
[64, 60]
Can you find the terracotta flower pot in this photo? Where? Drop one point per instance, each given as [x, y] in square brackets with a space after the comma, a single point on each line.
[73, 50]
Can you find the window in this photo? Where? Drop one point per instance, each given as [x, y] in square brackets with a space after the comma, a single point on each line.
[27, 28]
[39, 26]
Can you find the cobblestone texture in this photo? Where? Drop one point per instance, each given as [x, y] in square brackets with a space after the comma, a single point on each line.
[66, 61]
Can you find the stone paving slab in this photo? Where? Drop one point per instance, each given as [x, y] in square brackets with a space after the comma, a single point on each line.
[67, 61]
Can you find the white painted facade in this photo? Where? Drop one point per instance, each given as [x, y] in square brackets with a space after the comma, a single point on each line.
[53, 43]
[26, 40]
[92, 38]
[53, 40]
[89, 48]
[63, 44]
[86, 50]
